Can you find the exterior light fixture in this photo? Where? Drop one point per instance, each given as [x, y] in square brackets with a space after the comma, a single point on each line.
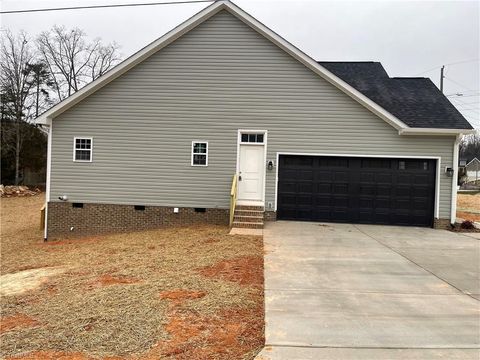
[270, 165]
[449, 171]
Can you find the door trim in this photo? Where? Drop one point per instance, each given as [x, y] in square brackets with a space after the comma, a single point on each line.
[436, 209]
[265, 140]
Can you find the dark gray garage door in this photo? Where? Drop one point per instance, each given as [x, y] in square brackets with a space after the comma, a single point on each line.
[356, 190]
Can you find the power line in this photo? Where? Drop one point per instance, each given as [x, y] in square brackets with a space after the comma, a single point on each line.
[104, 6]
[449, 64]
[460, 104]
[463, 86]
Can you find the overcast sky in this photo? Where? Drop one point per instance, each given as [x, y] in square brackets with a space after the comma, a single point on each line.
[410, 38]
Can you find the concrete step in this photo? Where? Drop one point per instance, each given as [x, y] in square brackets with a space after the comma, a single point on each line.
[248, 225]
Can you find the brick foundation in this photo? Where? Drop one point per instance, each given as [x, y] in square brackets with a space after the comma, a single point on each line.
[270, 216]
[441, 224]
[95, 219]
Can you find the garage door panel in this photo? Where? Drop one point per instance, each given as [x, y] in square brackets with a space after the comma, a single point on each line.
[383, 190]
[305, 187]
[403, 191]
[420, 179]
[340, 189]
[323, 188]
[357, 190]
[404, 178]
[340, 176]
[323, 175]
[367, 177]
[383, 178]
[340, 201]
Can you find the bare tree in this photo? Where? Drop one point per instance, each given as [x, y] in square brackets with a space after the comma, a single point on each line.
[72, 61]
[470, 147]
[16, 55]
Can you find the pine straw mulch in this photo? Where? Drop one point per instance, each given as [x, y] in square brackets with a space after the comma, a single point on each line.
[180, 293]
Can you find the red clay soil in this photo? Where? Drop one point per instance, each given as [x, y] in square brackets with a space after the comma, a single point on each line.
[178, 296]
[16, 321]
[228, 335]
[468, 216]
[106, 280]
[244, 270]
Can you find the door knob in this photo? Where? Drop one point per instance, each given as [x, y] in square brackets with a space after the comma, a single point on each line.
[240, 178]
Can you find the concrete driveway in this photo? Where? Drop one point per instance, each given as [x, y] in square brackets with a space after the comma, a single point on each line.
[341, 291]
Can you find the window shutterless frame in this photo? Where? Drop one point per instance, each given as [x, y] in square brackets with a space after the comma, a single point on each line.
[75, 148]
[193, 153]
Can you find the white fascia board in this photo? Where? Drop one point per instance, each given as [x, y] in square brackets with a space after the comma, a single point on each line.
[436, 131]
[193, 22]
[473, 160]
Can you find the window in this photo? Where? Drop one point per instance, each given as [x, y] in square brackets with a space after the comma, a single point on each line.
[199, 153]
[82, 149]
[252, 138]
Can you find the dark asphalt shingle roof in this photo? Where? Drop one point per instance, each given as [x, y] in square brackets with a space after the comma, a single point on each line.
[415, 101]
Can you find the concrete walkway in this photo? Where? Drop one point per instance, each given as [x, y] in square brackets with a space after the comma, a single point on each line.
[340, 291]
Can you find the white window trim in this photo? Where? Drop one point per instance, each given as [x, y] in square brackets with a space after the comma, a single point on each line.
[91, 148]
[248, 132]
[192, 153]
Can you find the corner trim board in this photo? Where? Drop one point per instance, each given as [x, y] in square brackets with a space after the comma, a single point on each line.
[453, 208]
[49, 171]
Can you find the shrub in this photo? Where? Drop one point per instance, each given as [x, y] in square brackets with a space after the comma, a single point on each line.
[467, 224]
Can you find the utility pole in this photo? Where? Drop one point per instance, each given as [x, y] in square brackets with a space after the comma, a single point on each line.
[441, 78]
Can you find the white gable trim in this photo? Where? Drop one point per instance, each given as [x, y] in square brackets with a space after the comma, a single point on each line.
[257, 26]
[472, 161]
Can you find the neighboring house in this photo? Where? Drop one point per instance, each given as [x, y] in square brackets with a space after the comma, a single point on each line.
[473, 170]
[158, 139]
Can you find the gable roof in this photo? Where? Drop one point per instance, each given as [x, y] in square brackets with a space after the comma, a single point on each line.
[472, 161]
[205, 14]
[416, 101]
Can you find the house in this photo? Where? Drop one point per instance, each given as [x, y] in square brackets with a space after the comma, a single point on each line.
[472, 170]
[223, 111]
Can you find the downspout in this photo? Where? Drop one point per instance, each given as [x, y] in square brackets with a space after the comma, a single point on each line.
[453, 208]
[49, 165]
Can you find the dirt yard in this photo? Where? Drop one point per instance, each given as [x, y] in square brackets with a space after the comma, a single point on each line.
[468, 206]
[182, 293]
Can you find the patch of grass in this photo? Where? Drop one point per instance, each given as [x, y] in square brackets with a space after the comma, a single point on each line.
[108, 301]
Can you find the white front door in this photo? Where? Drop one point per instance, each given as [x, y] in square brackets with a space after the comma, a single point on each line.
[251, 172]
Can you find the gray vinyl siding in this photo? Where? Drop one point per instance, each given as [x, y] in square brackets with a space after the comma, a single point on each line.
[218, 78]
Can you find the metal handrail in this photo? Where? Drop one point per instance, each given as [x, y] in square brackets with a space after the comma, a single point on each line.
[233, 197]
